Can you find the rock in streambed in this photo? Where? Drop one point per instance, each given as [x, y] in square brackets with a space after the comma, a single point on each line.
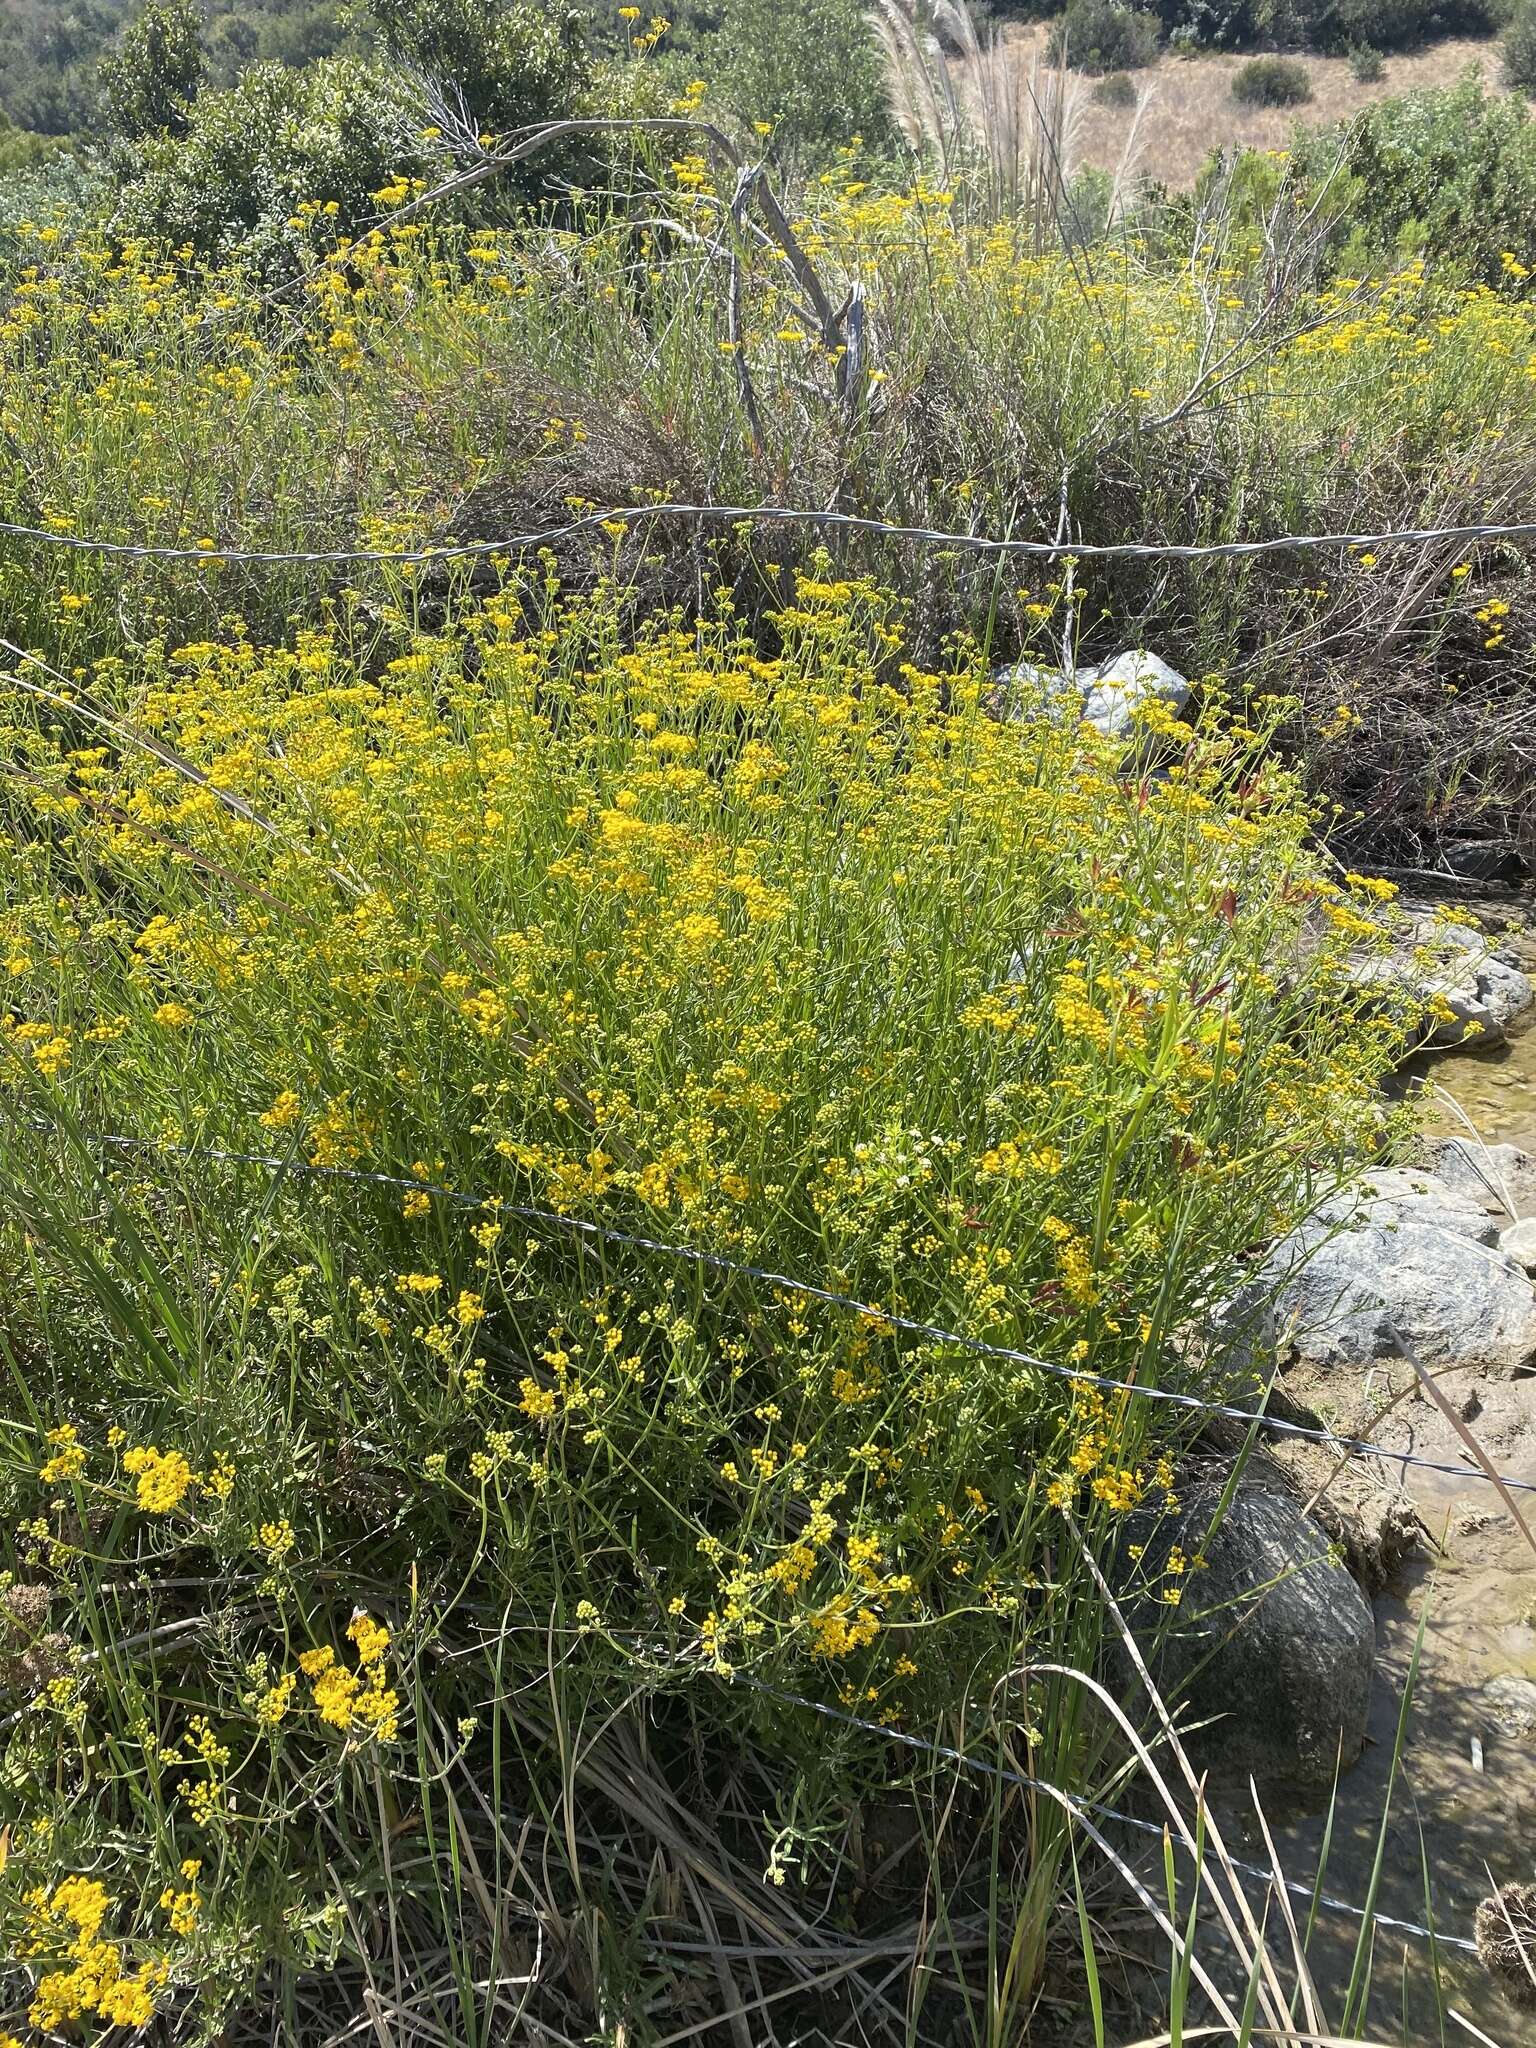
[1269, 1651]
[1400, 1253]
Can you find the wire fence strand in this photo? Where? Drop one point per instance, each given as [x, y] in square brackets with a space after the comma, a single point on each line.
[980, 1767]
[720, 1262]
[220, 555]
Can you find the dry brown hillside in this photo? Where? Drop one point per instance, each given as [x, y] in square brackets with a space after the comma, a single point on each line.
[1190, 110]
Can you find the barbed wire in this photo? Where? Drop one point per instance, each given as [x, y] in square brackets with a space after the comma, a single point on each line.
[913, 1326]
[716, 1261]
[220, 555]
[1001, 1772]
[947, 1753]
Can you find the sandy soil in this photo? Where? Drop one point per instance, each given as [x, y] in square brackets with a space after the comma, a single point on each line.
[1190, 109]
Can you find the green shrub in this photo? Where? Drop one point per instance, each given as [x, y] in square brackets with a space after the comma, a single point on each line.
[328, 137]
[301, 32]
[508, 62]
[235, 173]
[1367, 64]
[1272, 82]
[1116, 89]
[1104, 35]
[1449, 175]
[1086, 206]
[1519, 49]
[774, 958]
[810, 69]
[148, 84]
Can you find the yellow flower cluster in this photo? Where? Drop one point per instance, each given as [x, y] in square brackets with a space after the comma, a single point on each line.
[357, 1702]
[163, 1479]
[68, 1459]
[96, 1984]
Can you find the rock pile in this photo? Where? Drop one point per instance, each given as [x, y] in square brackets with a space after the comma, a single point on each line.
[1105, 695]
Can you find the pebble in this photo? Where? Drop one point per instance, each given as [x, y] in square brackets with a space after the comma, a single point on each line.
[1510, 1703]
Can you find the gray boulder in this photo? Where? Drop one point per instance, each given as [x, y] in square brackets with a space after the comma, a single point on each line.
[1104, 695]
[1272, 1643]
[1457, 984]
[1117, 688]
[1520, 1243]
[1398, 1250]
[1501, 1177]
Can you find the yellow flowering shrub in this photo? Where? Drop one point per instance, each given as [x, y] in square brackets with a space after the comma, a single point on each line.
[806, 962]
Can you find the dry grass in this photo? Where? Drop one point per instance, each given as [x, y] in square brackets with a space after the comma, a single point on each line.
[1190, 109]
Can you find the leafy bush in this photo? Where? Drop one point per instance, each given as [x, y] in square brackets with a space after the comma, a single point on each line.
[1449, 175]
[258, 164]
[508, 63]
[149, 82]
[808, 962]
[247, 171]
[1519, 49]
[293, 32]
[1271, 82]
[1104, 35]
[1117, 89]
[1086, 207]
[809, 69]
[1366, 63]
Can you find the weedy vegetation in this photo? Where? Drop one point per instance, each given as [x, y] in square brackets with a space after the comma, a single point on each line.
[572, 1111]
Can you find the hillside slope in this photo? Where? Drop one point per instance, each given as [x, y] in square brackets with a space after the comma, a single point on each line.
[1189, 110]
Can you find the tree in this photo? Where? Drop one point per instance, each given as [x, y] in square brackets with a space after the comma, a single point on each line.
[148, 84]
[333, 133]
[507, 65]
[811, 68]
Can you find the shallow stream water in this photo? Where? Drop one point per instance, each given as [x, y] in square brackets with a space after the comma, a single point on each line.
[1463, 1810]
[1494, 1091]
